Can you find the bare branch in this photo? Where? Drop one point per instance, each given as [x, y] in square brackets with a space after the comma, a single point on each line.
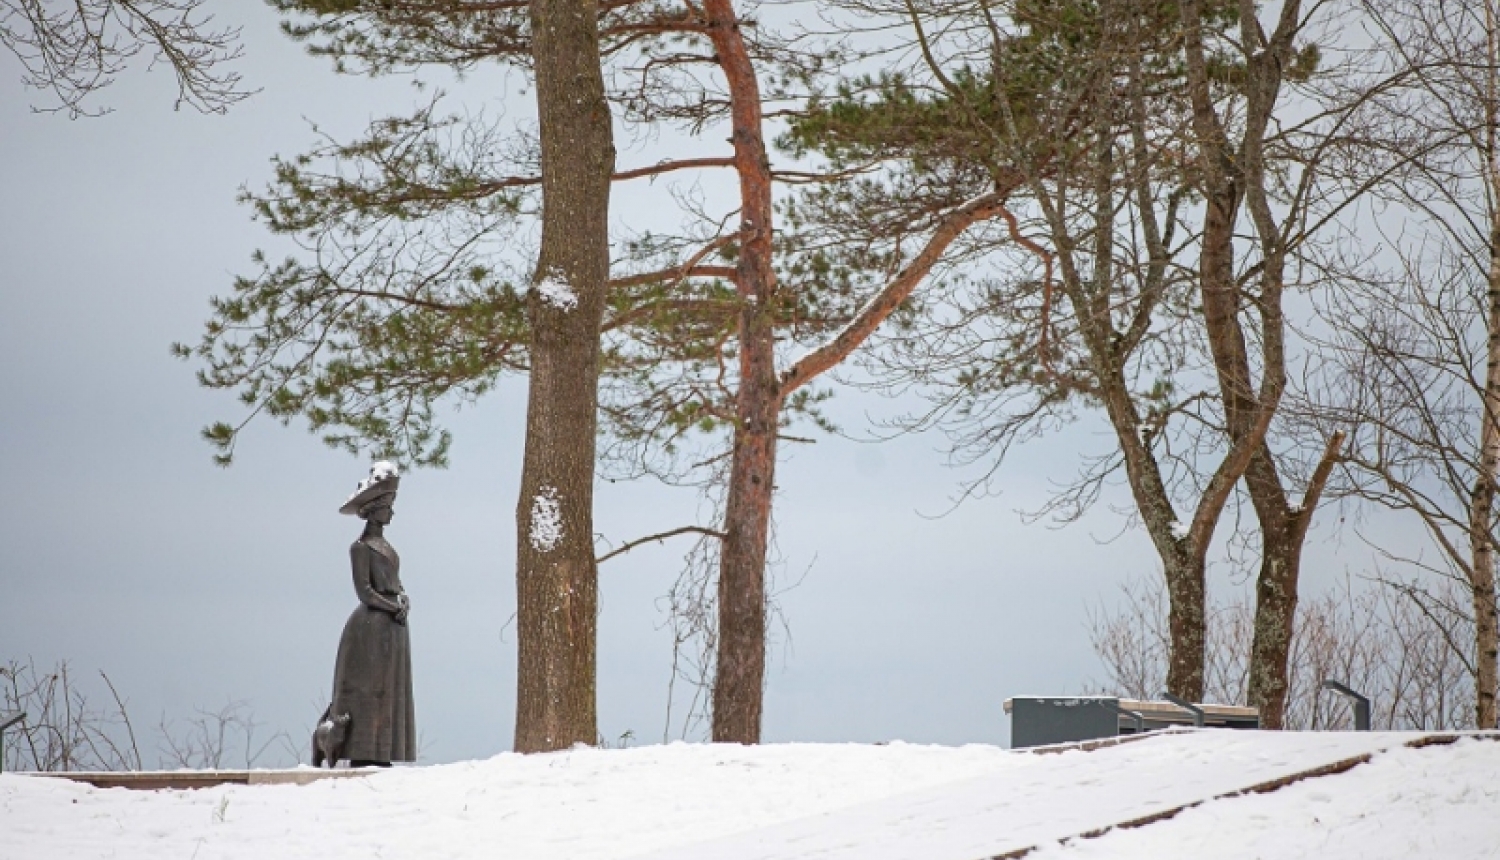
[661, 536]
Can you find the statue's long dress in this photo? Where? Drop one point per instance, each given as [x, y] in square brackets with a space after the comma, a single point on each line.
[372, 677]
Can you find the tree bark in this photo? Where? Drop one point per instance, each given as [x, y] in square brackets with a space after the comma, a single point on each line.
[1222, 191]
[1482, 543]
[1482, 502]
[1183, 549]
[1232, 176]
[556, 575]
[1283, 529]
[1187, 623]
[1275, 591]
[739, 678]
[739, 682]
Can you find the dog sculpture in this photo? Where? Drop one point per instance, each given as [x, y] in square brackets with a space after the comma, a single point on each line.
[329, 738]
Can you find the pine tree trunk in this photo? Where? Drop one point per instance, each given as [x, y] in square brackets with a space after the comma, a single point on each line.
[739, 679]
[556, 576]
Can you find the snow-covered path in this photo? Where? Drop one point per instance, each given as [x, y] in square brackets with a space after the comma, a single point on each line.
[808, 800]
[1039, 799]
[578, 805]
[1436, 803]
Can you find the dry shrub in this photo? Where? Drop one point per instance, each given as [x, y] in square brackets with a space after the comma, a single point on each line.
[66, 729]
[1383, 639]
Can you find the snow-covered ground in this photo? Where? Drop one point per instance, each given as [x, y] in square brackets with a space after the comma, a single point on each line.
[822, 801]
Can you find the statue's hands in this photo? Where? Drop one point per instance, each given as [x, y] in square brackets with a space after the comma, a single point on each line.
[403, 604]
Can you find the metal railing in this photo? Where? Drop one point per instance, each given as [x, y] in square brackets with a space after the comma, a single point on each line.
[1361, 704]
[1191, 708]
[1135, 716]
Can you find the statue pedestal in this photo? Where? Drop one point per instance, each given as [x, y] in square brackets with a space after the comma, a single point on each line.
[177, 780]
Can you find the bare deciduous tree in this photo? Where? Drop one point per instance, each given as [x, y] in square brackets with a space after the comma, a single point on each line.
[75, 48]
[1144, 132]
[1414, 363]
[1087, 104]
[1378, 639]
[1252, 158]
[65, 730]
[216, 738]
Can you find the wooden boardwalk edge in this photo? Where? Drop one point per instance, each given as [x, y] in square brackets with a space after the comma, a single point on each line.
[1330, 769]
[179, 780]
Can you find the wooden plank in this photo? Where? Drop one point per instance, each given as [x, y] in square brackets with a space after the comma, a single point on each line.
[180, 780]
[1171, 711]
[1095, 744]
[1337, 767]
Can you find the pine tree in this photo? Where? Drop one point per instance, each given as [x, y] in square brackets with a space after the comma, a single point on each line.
[401, 298]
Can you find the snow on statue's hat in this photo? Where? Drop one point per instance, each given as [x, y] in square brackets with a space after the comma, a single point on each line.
[383, 481]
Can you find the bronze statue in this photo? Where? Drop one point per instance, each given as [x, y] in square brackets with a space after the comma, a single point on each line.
[372, 701]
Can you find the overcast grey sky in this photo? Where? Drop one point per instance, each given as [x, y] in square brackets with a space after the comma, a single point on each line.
[123, 548]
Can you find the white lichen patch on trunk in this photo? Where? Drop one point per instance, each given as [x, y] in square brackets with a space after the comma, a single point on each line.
[1180, 530]
[556, 292]
[546, 520]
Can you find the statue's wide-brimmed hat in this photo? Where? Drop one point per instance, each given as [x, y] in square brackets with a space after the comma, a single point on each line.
[383, 481]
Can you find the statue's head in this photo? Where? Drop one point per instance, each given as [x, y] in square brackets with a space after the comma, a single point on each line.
[375, 496]
[380, 510]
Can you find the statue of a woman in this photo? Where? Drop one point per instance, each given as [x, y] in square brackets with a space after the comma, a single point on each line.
[372, 677]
